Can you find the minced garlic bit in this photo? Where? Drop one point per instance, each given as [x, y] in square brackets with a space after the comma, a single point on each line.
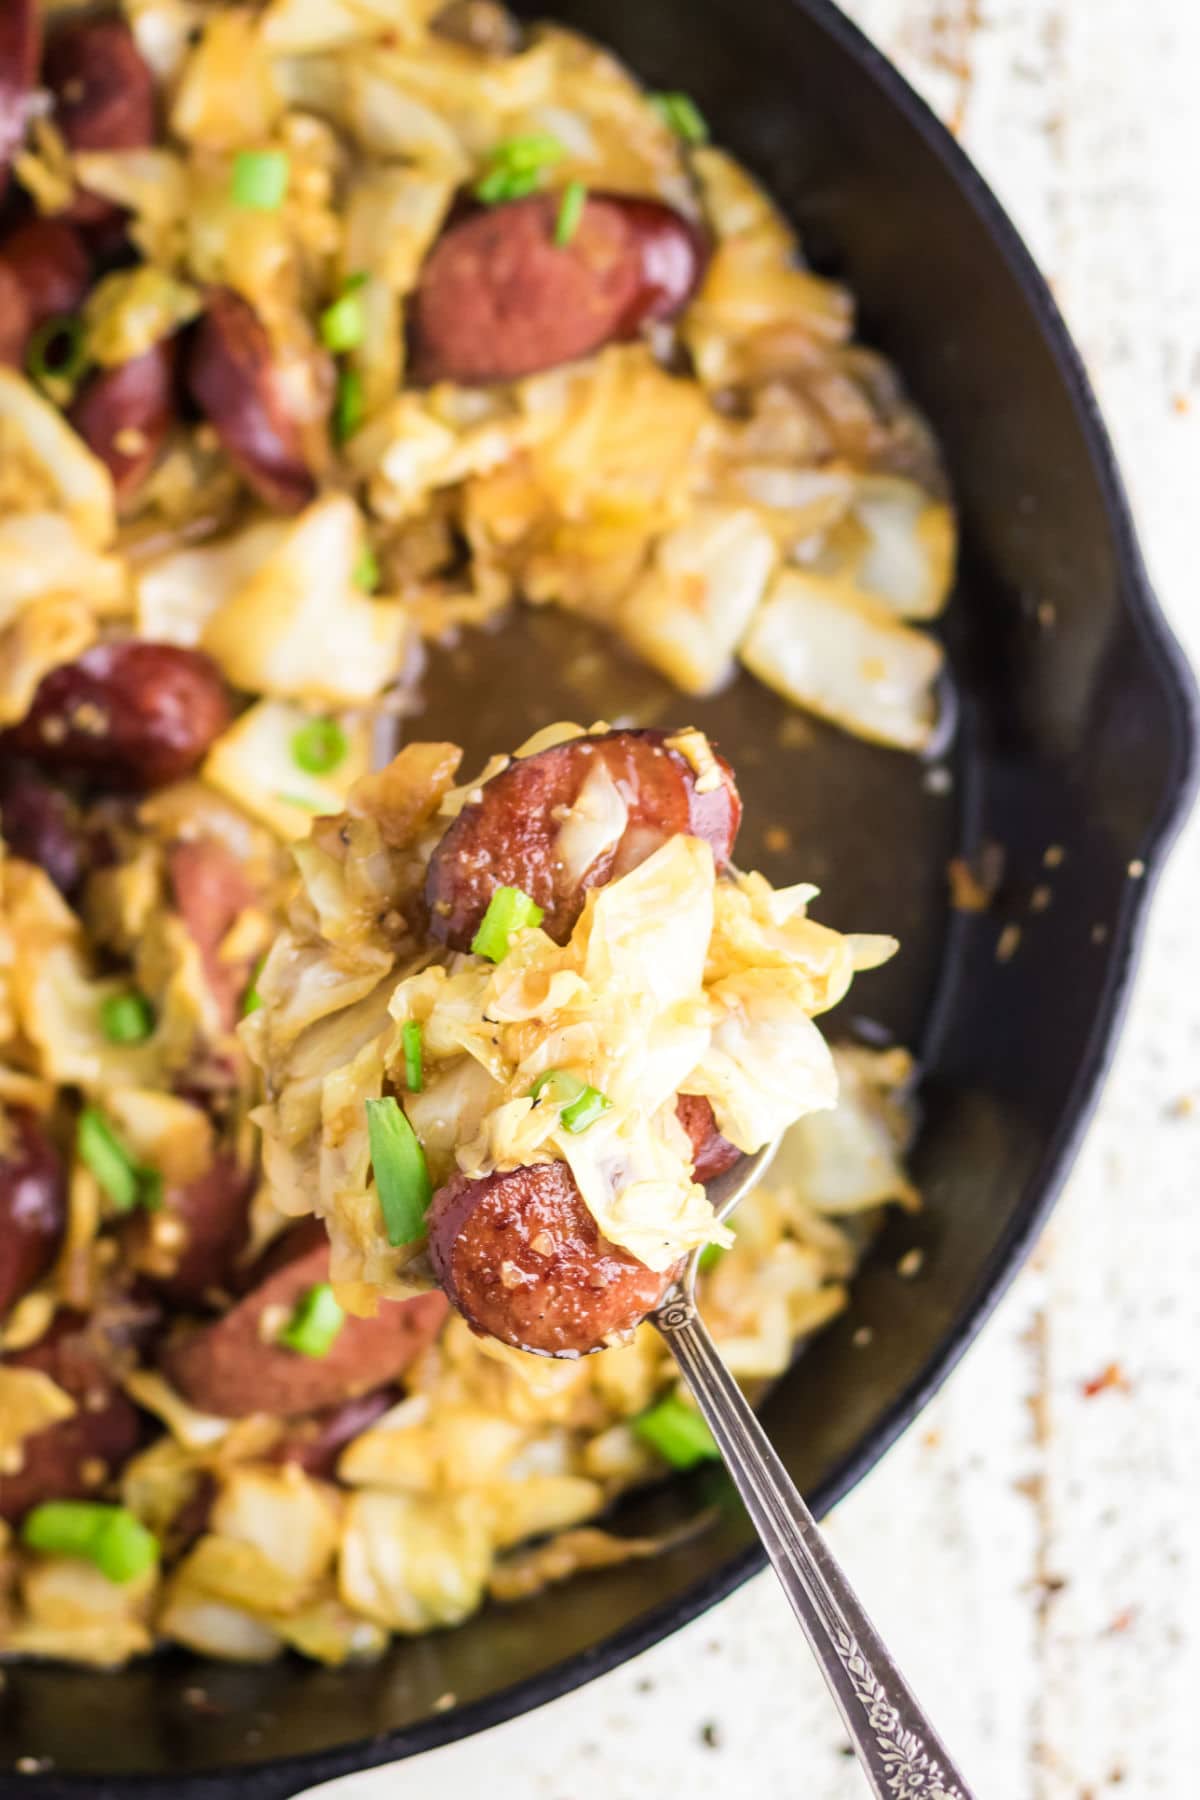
[911, 1263]
[695, 749]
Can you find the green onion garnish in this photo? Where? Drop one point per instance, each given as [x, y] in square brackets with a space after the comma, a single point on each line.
[581, 1104]
[401, 1174]
[349, 405]
[710, 1256]
[414, 1060]
[343, 324]
[366, 570]
[508, 910]
[107, 1158]
[515, 167]
[569, 213]
[127, 1018]
[57, 350]
[252, 999]
[677, 1432]
[259, 179]
[684, 117]
[313, 1328]
[116, 1542]
[320, 747]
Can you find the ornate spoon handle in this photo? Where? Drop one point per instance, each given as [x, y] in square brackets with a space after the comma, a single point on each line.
[897, 1747]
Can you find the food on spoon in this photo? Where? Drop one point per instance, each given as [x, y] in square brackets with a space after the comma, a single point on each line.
[561, 1059]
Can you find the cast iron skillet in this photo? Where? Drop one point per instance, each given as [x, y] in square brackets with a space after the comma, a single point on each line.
[1076, 731]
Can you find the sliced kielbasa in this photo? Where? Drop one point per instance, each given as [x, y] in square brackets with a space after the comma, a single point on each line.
[51, 265]
[498, 298]
[39, 824]
[130, 714]
[20, 53]
[507, 838]
[315, 1444]
[76, 1457]
[15, 324]
[235, 381]
[712, 1154]
[33, 1204]
[522, 1259]
[210, 890]
[104, 98]
[210, 1219]
[235, 1366]
[124, 415]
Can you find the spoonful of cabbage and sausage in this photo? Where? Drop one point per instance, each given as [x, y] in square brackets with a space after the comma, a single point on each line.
[530, 1040]
[513, 1028]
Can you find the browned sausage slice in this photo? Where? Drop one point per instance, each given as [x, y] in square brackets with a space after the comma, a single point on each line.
[15, 321]
[507, 838]
[104, 98]
[39, 824]
[20, 53]
[74, 1458]
[125, 414]
[210, 891]
[712, 1154]
[131, 714]
[315, 1444]
[235, 381]
[33, 1204]
[52, 265]
[521, 1258]
[210, 1218]
[498, 298]
[234, 1366]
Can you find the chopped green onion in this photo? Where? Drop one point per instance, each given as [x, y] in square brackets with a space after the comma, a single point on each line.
[252, 999]
[581, 1104]
[515, 167]
[116, 1542]
[366, 570]
[535, 150]
[126, 1018]
[349, 406]
[710, 1256]
[414, 1057]
[58, 349]
[343, 324]
[684, 117]
[569, 213]
[320, 747]
[107, 1158]
[677, 1432]
[401, 1174]
[313, 1328]
[501, 185]
[259, 179]
[508, 910]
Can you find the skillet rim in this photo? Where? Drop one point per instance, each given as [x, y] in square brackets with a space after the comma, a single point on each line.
[282, 1777]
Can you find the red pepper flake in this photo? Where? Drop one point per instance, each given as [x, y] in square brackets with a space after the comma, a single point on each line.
[1113, 1376]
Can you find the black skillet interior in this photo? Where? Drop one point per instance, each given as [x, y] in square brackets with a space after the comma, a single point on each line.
[1075, 733]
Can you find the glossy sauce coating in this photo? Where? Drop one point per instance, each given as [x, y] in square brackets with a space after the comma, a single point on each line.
[104, 98]
[74, 1458]
[125, 414]
[33, 1204]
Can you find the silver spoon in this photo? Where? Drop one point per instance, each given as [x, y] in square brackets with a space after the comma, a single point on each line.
[900, 1753]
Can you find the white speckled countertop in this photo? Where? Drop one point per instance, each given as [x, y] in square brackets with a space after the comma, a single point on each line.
[1030, 1552]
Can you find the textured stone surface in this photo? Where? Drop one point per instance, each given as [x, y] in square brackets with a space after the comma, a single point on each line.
[1029, 1550]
